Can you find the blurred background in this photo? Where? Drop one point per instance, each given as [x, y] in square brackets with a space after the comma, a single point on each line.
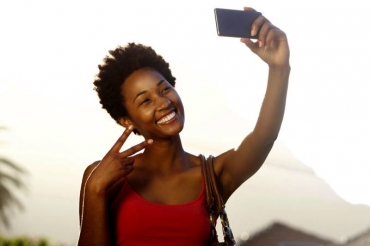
[52, 126]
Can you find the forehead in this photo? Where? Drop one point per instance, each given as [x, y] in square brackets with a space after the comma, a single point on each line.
[140, 80]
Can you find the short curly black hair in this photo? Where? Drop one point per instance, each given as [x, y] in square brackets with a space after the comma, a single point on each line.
[122, 62]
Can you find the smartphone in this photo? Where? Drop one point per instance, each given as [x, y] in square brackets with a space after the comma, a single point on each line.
[235, 23]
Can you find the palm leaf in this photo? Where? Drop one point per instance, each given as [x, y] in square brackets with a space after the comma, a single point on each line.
[7, 201]
[9, 179]
[12, 165]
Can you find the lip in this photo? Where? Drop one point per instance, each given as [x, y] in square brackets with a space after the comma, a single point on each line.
[165, 115]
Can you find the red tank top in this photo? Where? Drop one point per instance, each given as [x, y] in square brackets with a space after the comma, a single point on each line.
[143, 223]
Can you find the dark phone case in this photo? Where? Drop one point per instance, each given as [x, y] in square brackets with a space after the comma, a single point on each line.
[235, 23]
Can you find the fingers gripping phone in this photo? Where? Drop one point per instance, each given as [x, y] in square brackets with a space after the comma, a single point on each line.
[235, 23]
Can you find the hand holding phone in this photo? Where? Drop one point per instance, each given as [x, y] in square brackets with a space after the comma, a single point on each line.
[235, 23]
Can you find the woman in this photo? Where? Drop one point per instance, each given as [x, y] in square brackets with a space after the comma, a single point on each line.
[157, 197]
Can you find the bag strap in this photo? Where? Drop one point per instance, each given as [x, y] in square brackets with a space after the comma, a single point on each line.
[215, 204]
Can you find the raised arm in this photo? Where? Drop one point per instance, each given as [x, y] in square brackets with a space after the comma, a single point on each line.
[236, 166]
[98, 179]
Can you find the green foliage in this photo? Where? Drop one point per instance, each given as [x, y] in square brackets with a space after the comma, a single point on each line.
[25, 241]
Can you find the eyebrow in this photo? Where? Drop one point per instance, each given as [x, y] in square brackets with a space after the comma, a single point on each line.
[143, 92]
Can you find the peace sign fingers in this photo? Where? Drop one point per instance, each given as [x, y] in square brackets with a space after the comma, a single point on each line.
[135, 148]
[121, 140]
[116, 164]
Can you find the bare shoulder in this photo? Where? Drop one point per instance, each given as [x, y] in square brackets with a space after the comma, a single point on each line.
[221, 160]
[89, 170]
[86, 174]
[194, 160]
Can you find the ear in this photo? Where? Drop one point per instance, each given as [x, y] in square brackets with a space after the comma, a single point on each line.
[125, 122]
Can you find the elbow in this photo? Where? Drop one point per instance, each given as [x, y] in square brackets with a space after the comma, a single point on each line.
[273, 138]
[266, 139]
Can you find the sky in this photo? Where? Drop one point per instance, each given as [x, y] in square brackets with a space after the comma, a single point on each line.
[49, 52]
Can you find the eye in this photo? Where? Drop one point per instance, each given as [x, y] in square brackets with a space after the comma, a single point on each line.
[166, 89]
[146, 100]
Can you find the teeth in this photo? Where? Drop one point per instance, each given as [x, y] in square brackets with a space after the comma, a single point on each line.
[166, 118]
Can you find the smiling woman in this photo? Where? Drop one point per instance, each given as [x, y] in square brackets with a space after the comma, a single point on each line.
[144, 90]
[157, 197]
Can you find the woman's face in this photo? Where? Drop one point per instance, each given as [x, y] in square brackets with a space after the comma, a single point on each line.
[153, 105]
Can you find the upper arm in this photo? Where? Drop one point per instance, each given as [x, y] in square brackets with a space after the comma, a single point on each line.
[235, 166]
[112, 192]
[86, 175]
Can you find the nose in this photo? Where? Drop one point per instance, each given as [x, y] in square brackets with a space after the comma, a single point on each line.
[163, 103]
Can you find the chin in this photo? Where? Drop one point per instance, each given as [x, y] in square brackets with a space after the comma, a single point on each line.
[176, 131]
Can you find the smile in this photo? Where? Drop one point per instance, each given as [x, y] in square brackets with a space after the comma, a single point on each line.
[167, 118]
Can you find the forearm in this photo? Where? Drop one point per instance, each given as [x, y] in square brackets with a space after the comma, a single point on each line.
[272, 110]
[95, 226]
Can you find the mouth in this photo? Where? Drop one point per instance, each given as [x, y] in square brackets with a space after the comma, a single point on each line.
[167, 118]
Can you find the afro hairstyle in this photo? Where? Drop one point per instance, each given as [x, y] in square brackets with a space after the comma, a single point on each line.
[122, 62]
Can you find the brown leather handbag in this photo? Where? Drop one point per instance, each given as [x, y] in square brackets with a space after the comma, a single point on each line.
[215, 205]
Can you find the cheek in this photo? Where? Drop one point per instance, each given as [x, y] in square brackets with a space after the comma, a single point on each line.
[142, 116]
[147, 115]
[178, 101]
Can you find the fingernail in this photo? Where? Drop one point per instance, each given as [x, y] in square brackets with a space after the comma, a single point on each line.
[150, 141]
[243, 40]
[253, 32]
[130, 127]
[260, 44]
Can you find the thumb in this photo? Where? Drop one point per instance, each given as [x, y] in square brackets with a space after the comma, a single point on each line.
[250, 44]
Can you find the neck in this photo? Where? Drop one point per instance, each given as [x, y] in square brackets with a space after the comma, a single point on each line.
[165, 154]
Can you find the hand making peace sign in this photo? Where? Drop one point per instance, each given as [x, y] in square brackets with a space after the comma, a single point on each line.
[115, 165]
